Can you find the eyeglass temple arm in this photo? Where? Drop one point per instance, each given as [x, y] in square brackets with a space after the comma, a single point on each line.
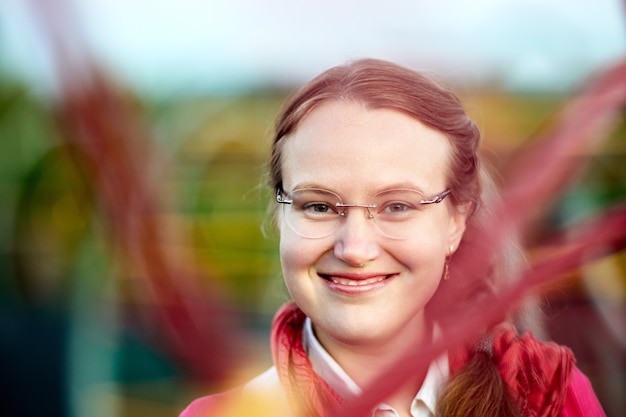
[436, 199]
[282, 198]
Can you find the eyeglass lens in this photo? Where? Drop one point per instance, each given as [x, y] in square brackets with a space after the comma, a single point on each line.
[396, 214]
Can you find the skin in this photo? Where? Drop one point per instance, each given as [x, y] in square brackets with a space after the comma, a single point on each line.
[356, 152]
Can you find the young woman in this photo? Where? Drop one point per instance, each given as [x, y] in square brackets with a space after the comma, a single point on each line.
[378, 185]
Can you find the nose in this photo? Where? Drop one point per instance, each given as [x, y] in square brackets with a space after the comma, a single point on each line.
[357, 240]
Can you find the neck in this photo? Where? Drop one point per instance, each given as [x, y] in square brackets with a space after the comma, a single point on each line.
[365, 363]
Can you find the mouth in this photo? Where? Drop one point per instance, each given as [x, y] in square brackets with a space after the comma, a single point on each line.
[356, 281]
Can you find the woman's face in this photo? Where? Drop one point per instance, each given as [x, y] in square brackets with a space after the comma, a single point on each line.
[359, 287]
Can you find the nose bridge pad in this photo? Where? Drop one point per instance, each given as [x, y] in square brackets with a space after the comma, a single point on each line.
[345, 209]
[367, 208]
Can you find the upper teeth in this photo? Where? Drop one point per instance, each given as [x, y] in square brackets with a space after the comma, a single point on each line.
[345, 281]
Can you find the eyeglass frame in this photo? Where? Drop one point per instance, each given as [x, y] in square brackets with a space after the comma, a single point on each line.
[282, 197]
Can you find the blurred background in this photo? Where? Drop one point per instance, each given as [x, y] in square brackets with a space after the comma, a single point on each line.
[134, 274]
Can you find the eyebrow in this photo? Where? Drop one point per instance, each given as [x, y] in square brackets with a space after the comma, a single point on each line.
[406, 185]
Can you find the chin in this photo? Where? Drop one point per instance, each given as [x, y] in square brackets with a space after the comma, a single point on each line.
[356, 334]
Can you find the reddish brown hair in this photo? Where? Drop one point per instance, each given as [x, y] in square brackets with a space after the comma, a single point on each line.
[383, 85]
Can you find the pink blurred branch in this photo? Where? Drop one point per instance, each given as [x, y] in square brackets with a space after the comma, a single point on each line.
[99, 118]
[199, 327]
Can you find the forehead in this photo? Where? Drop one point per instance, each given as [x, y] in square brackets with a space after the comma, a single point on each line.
[346, 147]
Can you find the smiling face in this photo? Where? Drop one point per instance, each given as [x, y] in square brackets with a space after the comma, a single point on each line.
[359, 287]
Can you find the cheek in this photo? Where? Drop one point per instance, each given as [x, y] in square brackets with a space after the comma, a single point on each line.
[298, 257]
[424, 254]
[433, 237]
[288, 254]
[296, 254]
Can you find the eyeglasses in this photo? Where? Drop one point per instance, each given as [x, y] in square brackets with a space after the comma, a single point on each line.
[316, 213]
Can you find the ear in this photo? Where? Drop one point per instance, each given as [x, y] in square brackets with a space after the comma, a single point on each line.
[457, 225]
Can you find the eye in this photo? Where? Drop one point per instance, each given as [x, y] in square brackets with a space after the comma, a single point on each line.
[316, 207]
[397, 207]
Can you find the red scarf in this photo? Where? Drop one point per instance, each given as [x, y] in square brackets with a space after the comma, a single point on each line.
[307, 391]
[537, 373]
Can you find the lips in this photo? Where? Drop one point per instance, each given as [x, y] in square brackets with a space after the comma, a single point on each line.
[356, 280]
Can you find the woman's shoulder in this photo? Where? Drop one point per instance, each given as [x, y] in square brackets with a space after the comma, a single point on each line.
[515, 353]
[267, 380]
[209, 405]
[541, 375]
[261, 396]
[581, 400]
[544, 373]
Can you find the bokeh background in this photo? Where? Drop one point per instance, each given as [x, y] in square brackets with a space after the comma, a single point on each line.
[134, 274]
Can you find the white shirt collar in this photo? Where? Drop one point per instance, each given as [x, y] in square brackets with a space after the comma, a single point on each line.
[325, 366]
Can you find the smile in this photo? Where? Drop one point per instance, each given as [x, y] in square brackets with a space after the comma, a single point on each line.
[350, 283]
[353, 282]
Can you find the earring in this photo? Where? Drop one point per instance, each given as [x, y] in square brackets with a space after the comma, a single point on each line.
[446, 264]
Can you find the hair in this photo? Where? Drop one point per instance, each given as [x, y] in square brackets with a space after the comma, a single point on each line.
[380, 84]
